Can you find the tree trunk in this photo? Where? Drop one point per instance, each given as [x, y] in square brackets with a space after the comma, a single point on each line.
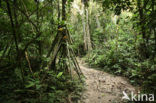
[13, 26]
[154, 29]
[143, 29]
[86, 30]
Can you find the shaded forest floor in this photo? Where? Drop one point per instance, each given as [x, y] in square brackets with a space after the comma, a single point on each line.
[102, 87]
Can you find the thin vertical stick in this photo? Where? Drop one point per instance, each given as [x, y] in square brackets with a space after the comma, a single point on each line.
[27, 58]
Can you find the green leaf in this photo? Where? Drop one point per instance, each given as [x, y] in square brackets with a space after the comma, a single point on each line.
[31, 84]
[59, 75]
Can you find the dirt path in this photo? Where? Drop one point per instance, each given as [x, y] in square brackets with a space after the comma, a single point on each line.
[102, 87]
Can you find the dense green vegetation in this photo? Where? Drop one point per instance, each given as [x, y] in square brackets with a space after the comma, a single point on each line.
[123, 39]
[128, 47]
[40, 40]
[29, 40]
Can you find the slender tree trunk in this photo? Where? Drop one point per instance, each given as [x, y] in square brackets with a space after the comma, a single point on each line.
[143, 29]
[88, 32]
[13, 26]
[155, 39]
[141, 19]
[64, 44]
[58, 9]
[154, 29]
[86, 29]
[0, 3]
[63, 10]
[15, 38]
[58, 18]
[16, 21]
[57, 43]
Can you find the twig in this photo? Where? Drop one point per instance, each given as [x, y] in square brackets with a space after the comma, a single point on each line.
[27, 58]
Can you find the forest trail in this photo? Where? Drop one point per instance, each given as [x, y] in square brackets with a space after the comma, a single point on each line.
[102, 87]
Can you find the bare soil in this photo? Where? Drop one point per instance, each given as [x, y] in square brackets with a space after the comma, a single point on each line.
[102, 87]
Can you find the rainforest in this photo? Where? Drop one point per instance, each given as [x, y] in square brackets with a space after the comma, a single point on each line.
[77, 51]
